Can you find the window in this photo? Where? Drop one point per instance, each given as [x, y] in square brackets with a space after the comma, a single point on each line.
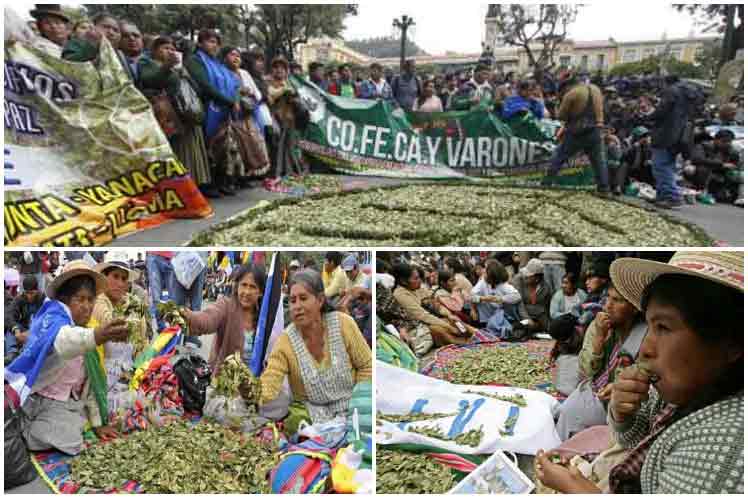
[584, 62]
[648, 52]
[630, 55]
[600, 61]
[677, 53]
[565, 60]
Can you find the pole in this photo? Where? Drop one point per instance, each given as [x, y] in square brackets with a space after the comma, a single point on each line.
[403, 24]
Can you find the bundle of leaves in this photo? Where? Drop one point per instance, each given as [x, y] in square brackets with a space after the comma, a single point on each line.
[178, 458]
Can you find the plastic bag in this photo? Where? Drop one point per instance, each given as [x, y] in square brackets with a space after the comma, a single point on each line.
[187, 103]
[187, 267]
[193, 373]
[232, 412]
[566, 375]
[18, 467]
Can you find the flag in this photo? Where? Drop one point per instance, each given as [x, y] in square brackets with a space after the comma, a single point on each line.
[270, 322]
[45, 325]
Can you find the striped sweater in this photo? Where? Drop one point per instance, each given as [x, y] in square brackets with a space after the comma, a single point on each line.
[700, 453]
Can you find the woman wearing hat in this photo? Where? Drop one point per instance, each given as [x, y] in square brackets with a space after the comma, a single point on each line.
[680, 412]
[118, 356]
[52, 376]
[53, 26]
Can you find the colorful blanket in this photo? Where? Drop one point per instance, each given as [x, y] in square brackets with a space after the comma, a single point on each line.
[439, 365]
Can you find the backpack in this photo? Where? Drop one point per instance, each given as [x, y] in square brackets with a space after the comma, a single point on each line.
[193, 374]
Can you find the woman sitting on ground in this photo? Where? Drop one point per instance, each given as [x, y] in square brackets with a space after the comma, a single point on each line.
[118, 356]
[51, 375]
[567, 298]
[410, 295]
[323, 354]
[492, 292]
[611, 342]
[680, 412]
[448, 302]
[233, 319]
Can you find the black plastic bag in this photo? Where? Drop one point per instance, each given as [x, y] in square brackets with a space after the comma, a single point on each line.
[187, 102]
[193, 374]
[18, 467]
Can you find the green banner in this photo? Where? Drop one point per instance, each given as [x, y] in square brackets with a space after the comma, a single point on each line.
[366, 137]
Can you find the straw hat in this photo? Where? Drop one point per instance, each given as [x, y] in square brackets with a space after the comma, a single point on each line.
[631, 276]
[117, 259]
[74, 269]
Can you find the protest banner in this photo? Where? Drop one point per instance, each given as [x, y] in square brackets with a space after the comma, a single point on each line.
[363, 137]
[85, 159]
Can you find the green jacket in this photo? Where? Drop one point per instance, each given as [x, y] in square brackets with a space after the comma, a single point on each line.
[207, 92]
[155, 77]
[77, 50]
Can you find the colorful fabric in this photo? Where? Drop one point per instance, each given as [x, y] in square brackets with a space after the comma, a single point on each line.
[303, 468]
[46, 324]
[226, 83]
[394, 351]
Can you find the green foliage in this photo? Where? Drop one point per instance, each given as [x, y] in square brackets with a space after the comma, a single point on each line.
[385, 47]
[653, 65]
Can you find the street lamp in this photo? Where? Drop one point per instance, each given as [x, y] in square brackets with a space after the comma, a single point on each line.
[403, 24]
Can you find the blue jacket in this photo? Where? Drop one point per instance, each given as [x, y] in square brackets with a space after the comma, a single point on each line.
[516, 104]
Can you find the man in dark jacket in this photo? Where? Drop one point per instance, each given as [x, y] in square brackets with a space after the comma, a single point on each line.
[23, 308]
[670, 122]
[406, 87]
[715, 167]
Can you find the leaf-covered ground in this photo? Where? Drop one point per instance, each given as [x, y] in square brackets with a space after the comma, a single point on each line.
[451, 214]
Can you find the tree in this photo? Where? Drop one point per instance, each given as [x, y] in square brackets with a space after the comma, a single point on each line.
[537, 29]
[709, 60]
[652, 65]
[279, 29]
[385, 47]
[722, 18]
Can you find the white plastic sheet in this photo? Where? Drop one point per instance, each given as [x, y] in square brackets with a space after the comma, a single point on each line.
[400, 391]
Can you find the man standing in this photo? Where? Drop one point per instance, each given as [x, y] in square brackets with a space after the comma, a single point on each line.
[356, 299]
[53, 27]
[87, 49]
[406, 87]
[317, 75]
[131, 45]
[376, 87]
[476, 92]
[346, 87]
[581, 111]
[671, 120]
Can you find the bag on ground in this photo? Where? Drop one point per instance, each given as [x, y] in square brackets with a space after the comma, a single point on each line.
[193, 373]
[18, 467]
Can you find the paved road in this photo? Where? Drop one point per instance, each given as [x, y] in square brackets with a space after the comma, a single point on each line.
[722, 222]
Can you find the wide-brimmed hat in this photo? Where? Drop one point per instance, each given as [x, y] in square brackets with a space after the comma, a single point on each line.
[534, 267]
[117, 259]
[632, 276]
[48, 9]
[74, 269]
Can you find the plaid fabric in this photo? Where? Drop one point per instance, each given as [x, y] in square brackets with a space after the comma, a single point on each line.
[624, 477]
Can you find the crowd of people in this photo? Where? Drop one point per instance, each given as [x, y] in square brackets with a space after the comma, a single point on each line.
[63, 321]
[230, 115]
[647, 371]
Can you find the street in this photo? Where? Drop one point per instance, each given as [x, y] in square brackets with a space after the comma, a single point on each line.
[722, 222]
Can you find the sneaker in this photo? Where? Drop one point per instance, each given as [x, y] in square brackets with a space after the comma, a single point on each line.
[668, 204]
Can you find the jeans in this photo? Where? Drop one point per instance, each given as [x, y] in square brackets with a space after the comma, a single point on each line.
[192, 298]
[160, 275]
[663, 170]
[591, 143]
[553, 274]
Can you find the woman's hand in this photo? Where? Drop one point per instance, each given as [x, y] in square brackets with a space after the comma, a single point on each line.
[604, 326]
[630, 390]
[605, 393]
[560, 477]
[116, 330]
[106, 433]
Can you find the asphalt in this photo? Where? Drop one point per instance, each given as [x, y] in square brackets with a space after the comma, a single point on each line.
[722, 222]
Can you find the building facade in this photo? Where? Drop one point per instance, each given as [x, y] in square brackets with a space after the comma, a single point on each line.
[329, 51]
[599, 55]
